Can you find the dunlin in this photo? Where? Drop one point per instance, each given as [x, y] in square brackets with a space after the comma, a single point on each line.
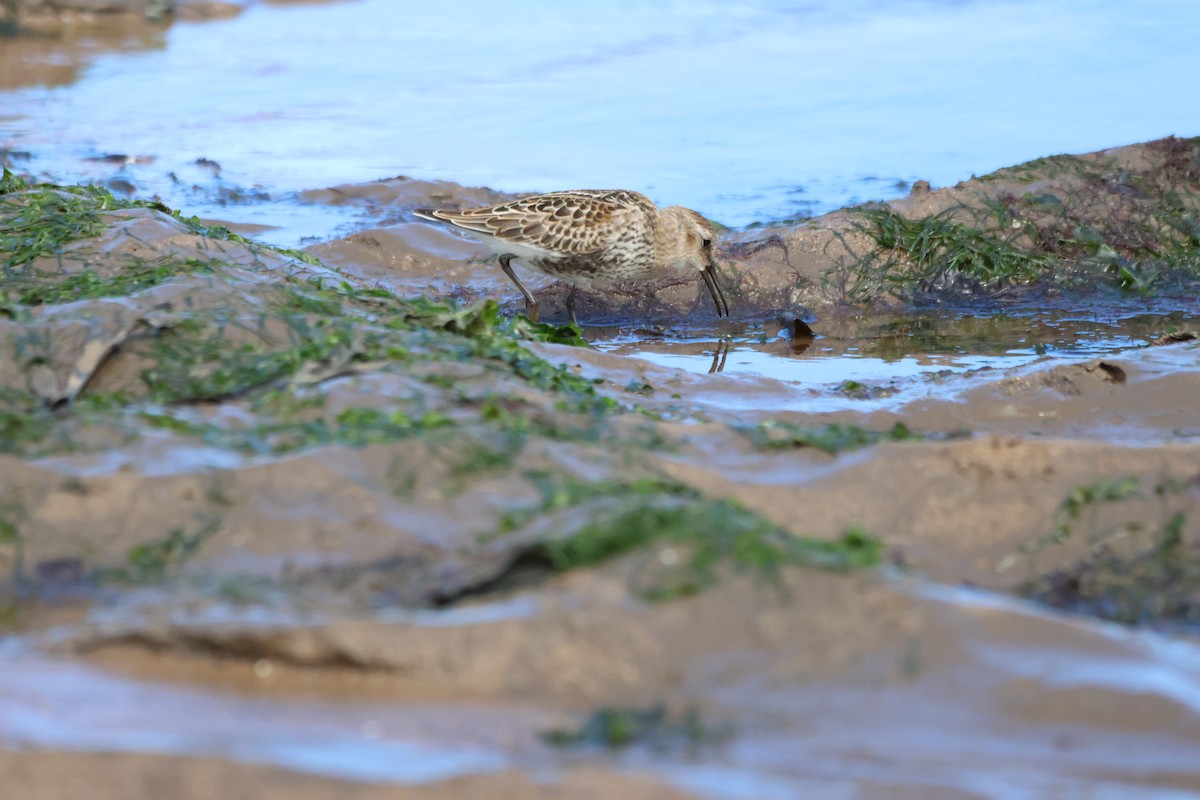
[592, 238]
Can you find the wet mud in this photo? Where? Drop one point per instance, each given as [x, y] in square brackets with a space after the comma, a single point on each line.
[337, 522]
[55, 17]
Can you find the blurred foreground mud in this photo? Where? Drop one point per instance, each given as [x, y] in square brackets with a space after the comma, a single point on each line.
[415, 530]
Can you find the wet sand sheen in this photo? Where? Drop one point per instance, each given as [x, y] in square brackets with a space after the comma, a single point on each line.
[1073, 718]
[349, 604]
[324, 570]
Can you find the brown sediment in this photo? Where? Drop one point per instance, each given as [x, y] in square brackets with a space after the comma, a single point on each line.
[1122, 217]
[108, 776]
[56, 15]
[49, 42]
[409, 254]
[29, 60]
[229, 467]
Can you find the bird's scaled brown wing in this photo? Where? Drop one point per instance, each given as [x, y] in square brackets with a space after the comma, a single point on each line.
[567, 223]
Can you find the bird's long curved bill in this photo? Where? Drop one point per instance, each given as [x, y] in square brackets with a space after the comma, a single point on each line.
[709, 274]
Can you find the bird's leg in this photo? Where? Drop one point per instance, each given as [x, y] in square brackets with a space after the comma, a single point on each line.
[531, 306]
[571, 303]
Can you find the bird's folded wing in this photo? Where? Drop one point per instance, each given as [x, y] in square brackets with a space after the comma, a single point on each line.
[566, 223]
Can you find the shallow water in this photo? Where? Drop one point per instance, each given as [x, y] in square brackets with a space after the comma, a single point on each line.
[747, 112]
[885, 359]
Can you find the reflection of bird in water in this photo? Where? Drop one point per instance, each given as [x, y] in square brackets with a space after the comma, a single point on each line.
[593, 239]
[799, 347]
[719, 355]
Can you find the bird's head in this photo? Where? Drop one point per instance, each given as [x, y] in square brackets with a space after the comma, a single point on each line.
[693, 241]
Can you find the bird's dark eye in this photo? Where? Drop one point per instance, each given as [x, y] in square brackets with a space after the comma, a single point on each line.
[706, 243]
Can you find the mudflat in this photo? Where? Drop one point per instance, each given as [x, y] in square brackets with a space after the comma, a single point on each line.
[338, 522]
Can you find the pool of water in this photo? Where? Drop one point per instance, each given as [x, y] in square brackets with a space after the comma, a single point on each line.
[750, 111]
[890, 356]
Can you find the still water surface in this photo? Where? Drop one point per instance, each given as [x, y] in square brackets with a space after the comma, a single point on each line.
[747, 111]
[881, 360]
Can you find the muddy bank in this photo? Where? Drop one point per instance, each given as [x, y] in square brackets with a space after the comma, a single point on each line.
[1073, 706]
[43, 16]
[39, 776]
[52, 42]
[246, 478]
[1112, 222]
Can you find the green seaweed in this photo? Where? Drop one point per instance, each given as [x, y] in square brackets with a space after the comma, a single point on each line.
[1100, 226]
[221, 232]
[197, 360]
[36, 289]
[50, 216]
[938, 253]
[1137, 571]
[620, 517]
[154, 561]
[833, 438]
[357, 427]
[21, 428]
[652, 726]
[38, 220]
[1081, 500]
